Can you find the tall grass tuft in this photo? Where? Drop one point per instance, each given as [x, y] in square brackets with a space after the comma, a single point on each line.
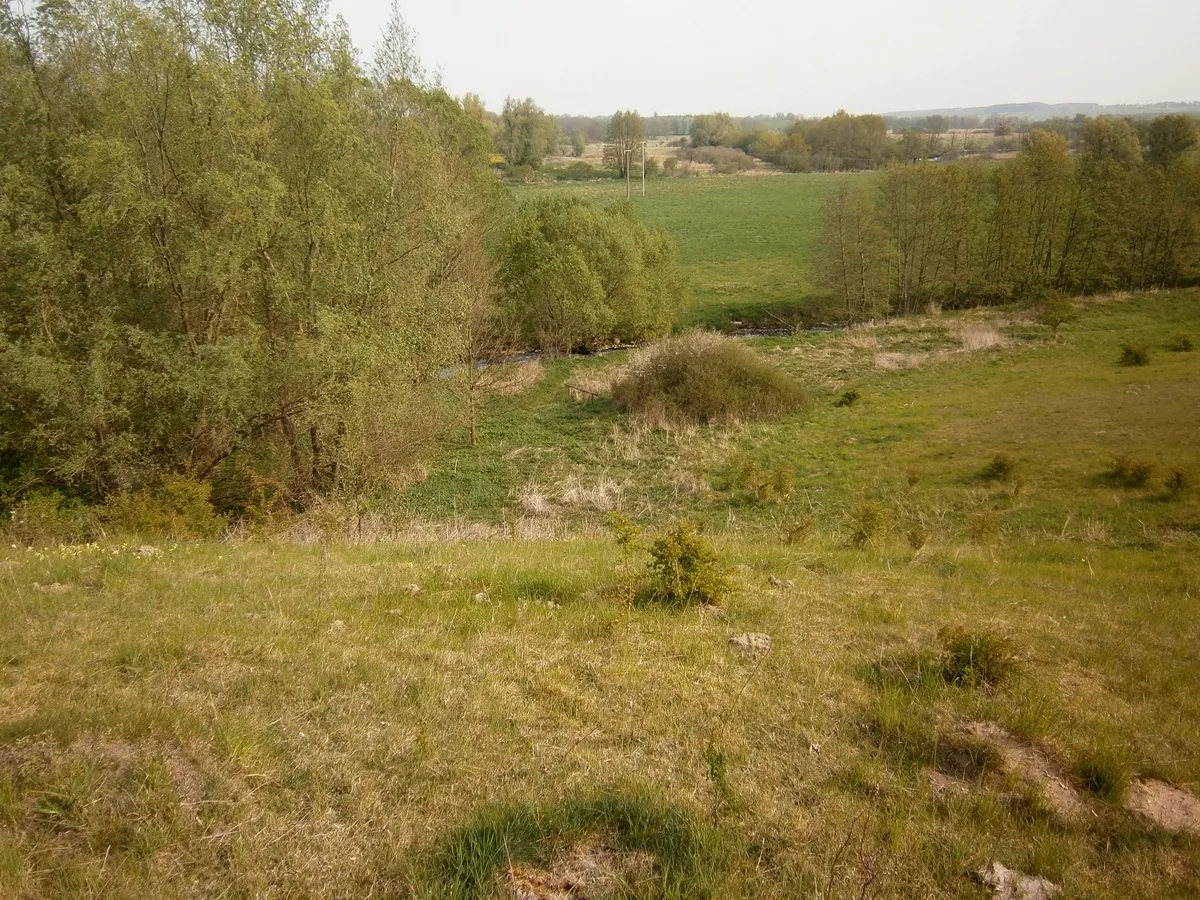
[700, 378]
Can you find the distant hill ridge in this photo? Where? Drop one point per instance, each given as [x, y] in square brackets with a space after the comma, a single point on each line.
[1037, 112]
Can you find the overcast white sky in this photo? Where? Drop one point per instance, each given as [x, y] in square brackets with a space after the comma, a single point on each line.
[810, 58]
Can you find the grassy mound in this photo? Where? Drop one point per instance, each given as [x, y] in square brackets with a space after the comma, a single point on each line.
[700, 378]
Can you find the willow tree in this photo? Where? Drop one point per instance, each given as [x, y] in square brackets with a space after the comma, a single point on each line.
[225, 252]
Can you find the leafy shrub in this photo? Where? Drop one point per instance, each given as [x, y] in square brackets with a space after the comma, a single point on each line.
[179, 508]
[1001, 468]
[1105, 772]
[1135, 355]
[976, 658]
[47, 517]
[847, 399]
[869, 522]
[982, 526]
[1130, 470]
[1182, 343]
[1177, 484]
[686, 569]
[918, 537]
[1056, 312]
[766, 485]
[701, 378]
[577, 275]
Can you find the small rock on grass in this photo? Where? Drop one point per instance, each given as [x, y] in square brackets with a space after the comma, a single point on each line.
[1007, 884]
[751, 644]
[775, 581]
[411, 590]
[482, 597]
[148, 551]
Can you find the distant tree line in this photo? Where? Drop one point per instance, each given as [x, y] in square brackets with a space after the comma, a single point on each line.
[839, 142]
[1123, 214]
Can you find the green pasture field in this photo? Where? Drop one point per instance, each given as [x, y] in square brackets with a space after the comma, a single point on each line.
[747, 242]
[432, 713]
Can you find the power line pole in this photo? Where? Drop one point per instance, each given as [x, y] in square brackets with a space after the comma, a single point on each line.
[643, 168]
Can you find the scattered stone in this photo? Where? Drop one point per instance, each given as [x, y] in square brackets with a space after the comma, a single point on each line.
[780, 582]
[549, 604]
[412, 590]
[8, 564]
[814, 748]
[53, 588]
[482, 597]
[711, 609]
[590, 870]
[1033, 766]
[337, 625]
[1165, 805]
[751, 644]
[148, 551]
[395, 612]
[1007, 884]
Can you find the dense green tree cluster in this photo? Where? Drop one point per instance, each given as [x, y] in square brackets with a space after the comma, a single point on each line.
[575, 275]
[525, 135]
[1114, 216]
[838, 142]
[225, 251]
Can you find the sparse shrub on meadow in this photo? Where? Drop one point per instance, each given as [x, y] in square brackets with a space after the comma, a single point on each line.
[766, 485]
[870, 521]
[983, 526]
[686, 569]
[1135, 355]
[701, 378]
[798, 531]
[849, 398]
[918, 537]
[1056, 312]
[1177, 484]
[1131, 471]
[976, 658]
[1001, 468]
[1182, 343]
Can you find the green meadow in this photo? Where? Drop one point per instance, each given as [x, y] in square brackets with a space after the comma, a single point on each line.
[746, 242]
[450, 700]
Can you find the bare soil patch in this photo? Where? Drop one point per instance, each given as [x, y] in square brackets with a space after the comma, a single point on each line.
[589, 870]
[1167, 806]
[1033, 766]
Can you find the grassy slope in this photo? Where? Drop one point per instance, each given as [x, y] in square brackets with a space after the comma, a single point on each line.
[746, 241]
[254, 719]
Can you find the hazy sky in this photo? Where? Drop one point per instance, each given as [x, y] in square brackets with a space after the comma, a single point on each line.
[810, 58]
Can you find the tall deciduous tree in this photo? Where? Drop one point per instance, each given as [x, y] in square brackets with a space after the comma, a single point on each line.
[526, 134]
[623, 141]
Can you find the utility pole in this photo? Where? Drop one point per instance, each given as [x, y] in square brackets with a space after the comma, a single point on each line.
[643, 168]
[628, 172]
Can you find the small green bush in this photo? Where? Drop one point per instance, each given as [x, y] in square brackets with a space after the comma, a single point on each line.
[179, 508]
[700, 378]
[47, 517]
[765, 485]
[975, 658]
[1135, 355]
[847, 399]
[1105, 773]
[1130, 470]
[1001, 468]
[1056, 312]
[869, 522]
[1182, 343]
[917, 537]
[686, 569]
[983, 526]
